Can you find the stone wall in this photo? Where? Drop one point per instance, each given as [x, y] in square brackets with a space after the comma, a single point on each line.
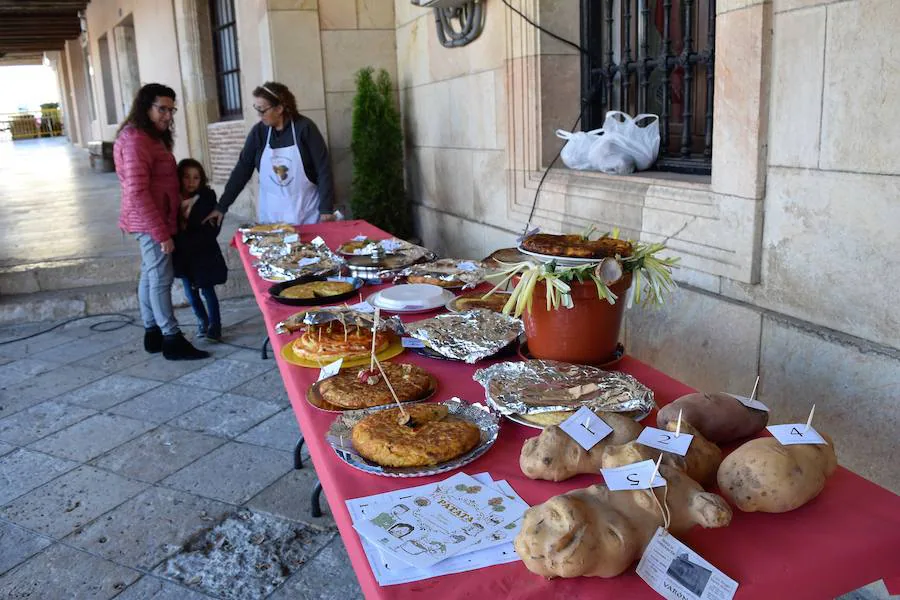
[788, 250]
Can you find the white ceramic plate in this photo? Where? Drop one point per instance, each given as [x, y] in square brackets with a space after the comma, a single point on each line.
[563, 261]
[410, 298]
[374, 300]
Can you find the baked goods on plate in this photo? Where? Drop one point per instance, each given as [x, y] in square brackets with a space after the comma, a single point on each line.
[331, 341]
[444, 436]
[432, 436]
[464, 302]
[575, 246]
[357, 388]
[316, 289]
[267, 228]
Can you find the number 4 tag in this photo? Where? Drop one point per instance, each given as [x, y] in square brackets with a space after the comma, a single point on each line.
[796, 433]
[586, 428]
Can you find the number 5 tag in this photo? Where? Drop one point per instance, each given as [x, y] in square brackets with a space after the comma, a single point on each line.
[586, 428]
[796, 433]
[635, 476]
[665, 440]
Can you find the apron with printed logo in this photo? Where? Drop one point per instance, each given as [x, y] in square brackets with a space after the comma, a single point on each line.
[285, 193]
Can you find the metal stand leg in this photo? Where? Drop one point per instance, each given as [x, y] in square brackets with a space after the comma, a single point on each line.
[298, 459]
[263, 354]
[314, 508]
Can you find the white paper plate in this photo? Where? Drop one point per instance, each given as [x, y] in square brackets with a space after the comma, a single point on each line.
[563, 261]
[405, 299]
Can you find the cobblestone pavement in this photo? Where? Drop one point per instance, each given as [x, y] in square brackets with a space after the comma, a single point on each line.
[115, 464]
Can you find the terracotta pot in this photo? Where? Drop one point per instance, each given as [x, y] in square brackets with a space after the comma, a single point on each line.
[585, 334]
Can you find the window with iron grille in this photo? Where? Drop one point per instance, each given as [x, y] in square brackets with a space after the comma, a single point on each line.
[653, 56]
[228, 71]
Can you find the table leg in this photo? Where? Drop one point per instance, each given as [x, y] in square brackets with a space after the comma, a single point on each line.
[262, 351]
[314, 508]
[298, 460]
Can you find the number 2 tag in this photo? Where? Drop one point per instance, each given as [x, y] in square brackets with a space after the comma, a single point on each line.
[665, 440]
[796, 433]
[586, 428]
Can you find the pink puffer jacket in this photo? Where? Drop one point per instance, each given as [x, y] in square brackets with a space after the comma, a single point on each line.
[150, 187]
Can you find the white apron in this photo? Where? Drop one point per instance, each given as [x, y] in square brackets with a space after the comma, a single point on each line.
[285, 193]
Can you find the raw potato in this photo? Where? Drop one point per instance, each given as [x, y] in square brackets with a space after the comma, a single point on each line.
[701, 462]
[598, 533]
[721, 418]
[765, 476]
[555, 456]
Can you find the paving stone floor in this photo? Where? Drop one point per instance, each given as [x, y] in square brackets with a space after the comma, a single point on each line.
[112, 460]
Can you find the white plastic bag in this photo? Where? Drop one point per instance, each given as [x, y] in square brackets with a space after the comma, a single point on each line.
[575, 153]
[623, 145]
[641, 142]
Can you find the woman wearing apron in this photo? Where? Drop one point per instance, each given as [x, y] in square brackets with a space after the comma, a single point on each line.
[295, 182]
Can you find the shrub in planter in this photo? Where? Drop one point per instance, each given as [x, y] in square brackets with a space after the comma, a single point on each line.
[378, 194]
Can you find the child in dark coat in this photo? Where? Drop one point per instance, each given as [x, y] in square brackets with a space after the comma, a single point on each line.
[198, 260]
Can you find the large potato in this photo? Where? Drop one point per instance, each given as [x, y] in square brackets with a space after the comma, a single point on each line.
[720, 418]
[765, 476]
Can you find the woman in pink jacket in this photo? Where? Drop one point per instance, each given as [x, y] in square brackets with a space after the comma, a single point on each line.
[150, 201]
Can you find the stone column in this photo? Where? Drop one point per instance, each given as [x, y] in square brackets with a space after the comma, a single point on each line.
[197, 73]
[127, 63]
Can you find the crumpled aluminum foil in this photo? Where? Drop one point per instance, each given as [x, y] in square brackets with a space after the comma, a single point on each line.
[346, 314]
[538, 386]
[282, 271]
[468, 336]
[467, 273]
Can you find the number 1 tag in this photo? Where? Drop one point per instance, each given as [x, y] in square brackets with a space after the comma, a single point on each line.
[291, 238]
[586, 428]
[750, 402]
[331, 370]
[665, 440]
[635, 476]
[793, 433]
[318, 241]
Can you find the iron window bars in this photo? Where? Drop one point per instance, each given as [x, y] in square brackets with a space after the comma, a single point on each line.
[641, 58]
[228, 71]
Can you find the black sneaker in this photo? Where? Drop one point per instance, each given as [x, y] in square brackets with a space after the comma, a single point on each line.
[175, 347]
[153, 340]
[214, 333]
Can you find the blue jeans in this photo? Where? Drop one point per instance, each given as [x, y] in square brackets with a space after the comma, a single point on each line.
[155, 286]
[207, 316]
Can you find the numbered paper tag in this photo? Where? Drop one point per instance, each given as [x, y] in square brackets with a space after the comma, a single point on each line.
[363, 307]
[635, 476]
[318, 241]
[291, 238]
[586, 428]
[360, 238]
[665, 440]
[796, 433]
[467, 266]
[409, 342]
[310, 260]
[331, 369]
[390, 245]
[528, 233]
[677, 573]
[750, 402]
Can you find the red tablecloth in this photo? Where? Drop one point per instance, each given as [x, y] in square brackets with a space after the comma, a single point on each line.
[847, 537]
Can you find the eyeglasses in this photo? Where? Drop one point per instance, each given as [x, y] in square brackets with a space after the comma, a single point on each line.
[166, 110]
[262, 111]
